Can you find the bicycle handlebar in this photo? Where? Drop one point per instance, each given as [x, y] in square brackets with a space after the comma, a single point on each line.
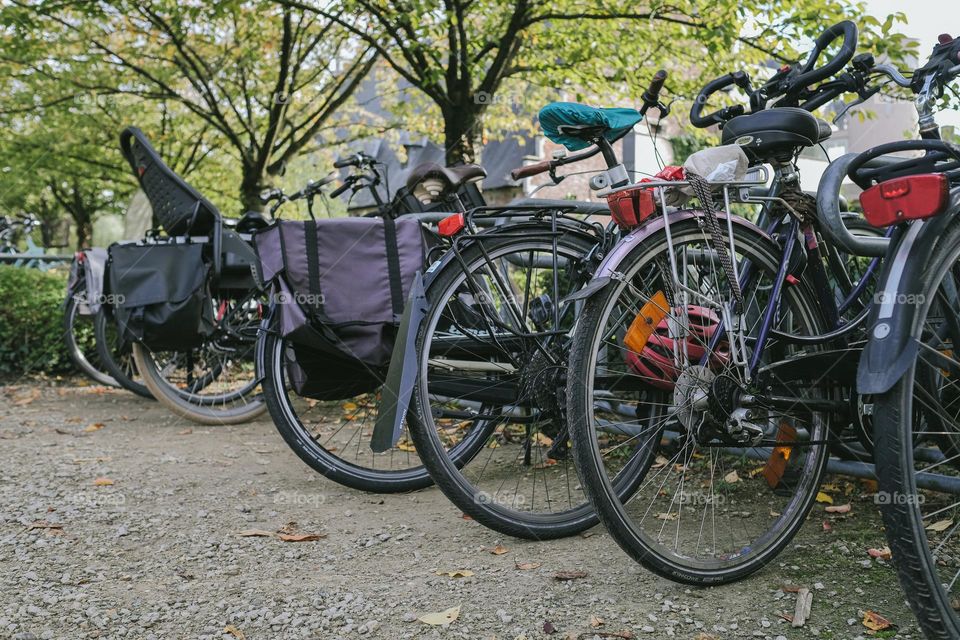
[809, 74]
[738, 78]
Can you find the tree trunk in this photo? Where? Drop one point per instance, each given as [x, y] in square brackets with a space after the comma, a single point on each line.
[251, 186]
[462, 135]
[84, 222]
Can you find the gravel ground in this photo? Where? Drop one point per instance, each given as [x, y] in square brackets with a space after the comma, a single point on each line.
[119, 520]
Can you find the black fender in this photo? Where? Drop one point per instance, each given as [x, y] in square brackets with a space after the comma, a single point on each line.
[890, 350]
[402, 372]
[609, 268]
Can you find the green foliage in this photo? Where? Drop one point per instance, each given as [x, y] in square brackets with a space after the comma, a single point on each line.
[31, 321]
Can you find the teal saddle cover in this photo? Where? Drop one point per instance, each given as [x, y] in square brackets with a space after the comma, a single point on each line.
[617, 121]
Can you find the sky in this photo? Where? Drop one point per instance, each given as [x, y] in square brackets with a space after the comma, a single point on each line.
[927, 19]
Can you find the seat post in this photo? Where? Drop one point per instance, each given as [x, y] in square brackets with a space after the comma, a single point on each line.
[615, 169]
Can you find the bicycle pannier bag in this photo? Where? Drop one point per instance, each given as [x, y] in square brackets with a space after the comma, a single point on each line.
[339, 286]
[161, 294]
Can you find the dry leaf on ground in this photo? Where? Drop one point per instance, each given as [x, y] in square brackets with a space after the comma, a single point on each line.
[527, 566]
[256, 533]
[802, 611]
[839, 508]
[441, 617]
[103, 482]
[499, 550]
[731, 477]
[301, 537]
[875, 622]
[824, 497]
[457, 573]
[940, 526]
[96, 426]
[236, 633]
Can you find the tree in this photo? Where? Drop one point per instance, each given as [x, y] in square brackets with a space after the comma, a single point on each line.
[268, 80]
[462, 54]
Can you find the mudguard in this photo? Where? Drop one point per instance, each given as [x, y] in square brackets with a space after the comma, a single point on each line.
[402, 372]
[609, 269]
[890, 350]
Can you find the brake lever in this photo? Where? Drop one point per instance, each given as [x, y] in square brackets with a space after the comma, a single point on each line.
[863, 97]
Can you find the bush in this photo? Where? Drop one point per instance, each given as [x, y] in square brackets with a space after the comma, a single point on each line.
[31, 321]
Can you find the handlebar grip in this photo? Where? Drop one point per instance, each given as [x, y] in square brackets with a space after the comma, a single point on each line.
[346, 162]
[652, 94]
[809, 75]
[336, 193]
[530, 170]
[712, 87]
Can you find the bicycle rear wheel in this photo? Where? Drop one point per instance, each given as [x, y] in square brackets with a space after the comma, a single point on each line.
[727, 477]
[79, 337]
[923, 407]
[491, 353]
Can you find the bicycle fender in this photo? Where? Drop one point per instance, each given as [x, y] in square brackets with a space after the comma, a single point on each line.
[609, 269]
[890, 350]
[402, 372]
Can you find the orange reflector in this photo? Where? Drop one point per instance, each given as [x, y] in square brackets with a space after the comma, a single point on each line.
[645, 322]
[452, 225]
[776, 464]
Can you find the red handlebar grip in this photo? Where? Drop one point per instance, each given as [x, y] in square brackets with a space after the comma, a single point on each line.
[530, 170]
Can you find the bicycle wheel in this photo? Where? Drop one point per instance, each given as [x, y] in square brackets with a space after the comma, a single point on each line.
[215, 383]
[923, 524]
[331, 430]
[80, 340]
[727, 476]
[117, 356]
[491, 352]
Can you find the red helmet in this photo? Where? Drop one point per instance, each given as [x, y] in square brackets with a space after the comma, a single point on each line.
[656, 361]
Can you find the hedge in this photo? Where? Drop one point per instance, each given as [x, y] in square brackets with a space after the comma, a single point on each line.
[31, 321]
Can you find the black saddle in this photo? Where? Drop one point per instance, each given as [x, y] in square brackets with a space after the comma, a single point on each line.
[775, 133]
[454, 177]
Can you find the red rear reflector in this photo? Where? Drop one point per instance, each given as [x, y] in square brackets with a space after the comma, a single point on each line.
[452, 225]
[912, 198]
[141, 171]
[631, 207]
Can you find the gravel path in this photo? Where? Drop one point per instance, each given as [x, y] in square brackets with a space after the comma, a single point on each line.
[119, 520]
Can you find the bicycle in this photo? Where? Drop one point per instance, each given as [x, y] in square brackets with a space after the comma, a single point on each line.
[712, 355]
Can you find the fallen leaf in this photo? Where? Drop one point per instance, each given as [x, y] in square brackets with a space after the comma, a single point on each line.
[527, 566]
[465, 516]
[596, 622]
[185, 432]
[499, 550]
[548, 462]
[791, 589]
[43, 524]
[96, 426]
[731, 477]
[30, 396]
[824, 497]
[874, 621]
[666, 516]
[236, 633]
[840, 508]
[883, 553]
[548, 628]
[942, 525]
[660, 462]
[256, 533]
[458, 573]
[541, 438]
[301, 537]
[349, 407]
[625, 634]
[405, 445]
[103, 482]
[827, 527]
[441, 617]
[569, 575]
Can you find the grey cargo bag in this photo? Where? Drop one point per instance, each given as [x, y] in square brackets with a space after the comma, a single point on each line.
[339, 287]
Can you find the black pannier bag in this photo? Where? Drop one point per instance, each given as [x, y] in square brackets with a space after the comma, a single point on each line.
[339, 286]
[161, 294]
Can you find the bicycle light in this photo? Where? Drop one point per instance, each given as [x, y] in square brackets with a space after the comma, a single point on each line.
[911, 198]
[452, 225]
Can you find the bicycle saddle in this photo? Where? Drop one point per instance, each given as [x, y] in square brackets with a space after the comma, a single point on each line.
[575, 125]
[453, 177]
[775, 132]
[251, 221]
